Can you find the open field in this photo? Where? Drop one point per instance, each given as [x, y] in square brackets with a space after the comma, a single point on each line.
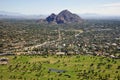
[50, 67]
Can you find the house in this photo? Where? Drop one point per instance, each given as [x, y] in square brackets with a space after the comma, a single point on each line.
[60, 53]
[70, 53]
[112, 56]
[106, 54]
[3, 60]
[114, 44]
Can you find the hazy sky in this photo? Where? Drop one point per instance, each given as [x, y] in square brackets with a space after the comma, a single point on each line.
[107, 7]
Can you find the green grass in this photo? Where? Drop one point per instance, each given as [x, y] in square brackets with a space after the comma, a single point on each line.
[79, 67]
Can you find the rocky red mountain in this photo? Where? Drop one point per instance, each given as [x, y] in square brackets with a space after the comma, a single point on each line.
[64, 17]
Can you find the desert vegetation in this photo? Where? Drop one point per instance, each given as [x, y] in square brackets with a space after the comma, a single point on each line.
[79, 67]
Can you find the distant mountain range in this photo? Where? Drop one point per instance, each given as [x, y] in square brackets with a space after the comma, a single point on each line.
[12, 15]
[99, 16]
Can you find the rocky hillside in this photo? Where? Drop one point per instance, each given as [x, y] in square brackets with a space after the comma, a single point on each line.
[63, 17]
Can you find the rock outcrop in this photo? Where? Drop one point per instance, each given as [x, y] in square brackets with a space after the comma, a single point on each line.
[64, 17]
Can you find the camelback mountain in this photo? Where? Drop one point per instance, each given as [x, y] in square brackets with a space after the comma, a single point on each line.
[64, 16]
